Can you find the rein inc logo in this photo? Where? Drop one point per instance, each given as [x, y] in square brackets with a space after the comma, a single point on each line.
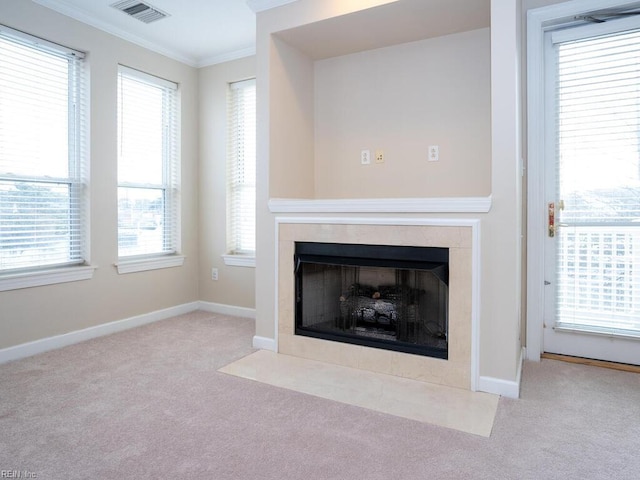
[17, 474]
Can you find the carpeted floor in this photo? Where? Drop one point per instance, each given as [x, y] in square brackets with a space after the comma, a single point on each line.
[149, 403]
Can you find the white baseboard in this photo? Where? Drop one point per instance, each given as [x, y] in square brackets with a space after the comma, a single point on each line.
[505, 388]
[227, 309]
[264, 343]
[51, 343]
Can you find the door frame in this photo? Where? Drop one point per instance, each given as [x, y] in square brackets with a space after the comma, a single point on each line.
[538, 21]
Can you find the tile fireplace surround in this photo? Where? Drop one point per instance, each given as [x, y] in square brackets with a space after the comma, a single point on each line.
[460, 236]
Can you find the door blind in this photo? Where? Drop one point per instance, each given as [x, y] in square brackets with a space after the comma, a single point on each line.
[598, 151]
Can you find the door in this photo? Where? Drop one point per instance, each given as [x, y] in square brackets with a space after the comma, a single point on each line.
[592, 192]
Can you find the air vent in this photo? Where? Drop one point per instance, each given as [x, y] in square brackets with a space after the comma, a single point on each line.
[140, 10]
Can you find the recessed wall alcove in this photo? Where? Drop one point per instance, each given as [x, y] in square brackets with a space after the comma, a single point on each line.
[395, 79]
[398, 76]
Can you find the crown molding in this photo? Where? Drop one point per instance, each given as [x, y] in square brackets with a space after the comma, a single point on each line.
[227, 57]
[262, 5]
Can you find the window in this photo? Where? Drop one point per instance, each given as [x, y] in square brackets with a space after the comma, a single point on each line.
[43, 189]
[147, 165]
[241, 173]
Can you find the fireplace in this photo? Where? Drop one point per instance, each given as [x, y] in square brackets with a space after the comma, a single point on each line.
[454, 240]
[382, 296]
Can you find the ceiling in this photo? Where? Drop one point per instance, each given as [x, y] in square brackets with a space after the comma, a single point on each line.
[196, 32]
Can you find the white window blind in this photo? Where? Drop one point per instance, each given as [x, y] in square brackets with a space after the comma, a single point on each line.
[147, 165]
[598, 146]
[241, 169]
[42, 153]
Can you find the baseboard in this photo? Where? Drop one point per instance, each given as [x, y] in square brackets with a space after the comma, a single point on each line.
[227, 309]
[264, 343]
[51, 343]
[504, 388]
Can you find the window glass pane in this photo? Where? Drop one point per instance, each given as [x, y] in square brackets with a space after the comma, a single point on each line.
[598, 181]
[140, 220]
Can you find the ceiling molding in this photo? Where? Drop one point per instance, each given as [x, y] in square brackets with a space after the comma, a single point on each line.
[72, 11]
[262, 5]
[227, 57]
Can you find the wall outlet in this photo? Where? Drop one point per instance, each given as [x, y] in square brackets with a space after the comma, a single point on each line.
[365, 157]
[434, 153]
[379, 156]
[214, 274]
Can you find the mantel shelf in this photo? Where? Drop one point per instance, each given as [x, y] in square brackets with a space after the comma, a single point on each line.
[382, 205]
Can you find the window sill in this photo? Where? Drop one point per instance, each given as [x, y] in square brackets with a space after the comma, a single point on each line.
[144, 264]
[51, 276]
[240, 260]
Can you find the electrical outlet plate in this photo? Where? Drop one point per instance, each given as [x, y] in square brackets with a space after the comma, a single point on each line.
[434, 153]
[379, 156]
[365, 157]
[214, 274]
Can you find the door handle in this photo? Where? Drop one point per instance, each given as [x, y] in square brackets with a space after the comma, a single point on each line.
[552, 226]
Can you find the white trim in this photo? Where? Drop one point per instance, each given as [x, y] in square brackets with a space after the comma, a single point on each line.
[538, 20]
[498, 386]
[146, 77]
[382, 205]
[594, 30]
[144, 264]
[46, 277]
[265, 343]
[505, 388]
[240, 260]
[66, 339]
[262, 5]
[475, 268]
[227, 309]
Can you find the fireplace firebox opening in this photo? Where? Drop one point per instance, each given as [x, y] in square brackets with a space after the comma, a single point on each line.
[381, 296]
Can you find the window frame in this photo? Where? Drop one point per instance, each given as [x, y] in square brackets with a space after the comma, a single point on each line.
[169, 257]
[77, 267]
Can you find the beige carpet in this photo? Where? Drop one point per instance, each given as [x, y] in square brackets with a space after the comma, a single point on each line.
[150, 403]
[471, 412]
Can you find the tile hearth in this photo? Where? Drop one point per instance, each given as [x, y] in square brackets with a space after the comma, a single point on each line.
[469, 412]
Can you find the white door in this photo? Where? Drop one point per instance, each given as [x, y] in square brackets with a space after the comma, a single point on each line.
[592, 190]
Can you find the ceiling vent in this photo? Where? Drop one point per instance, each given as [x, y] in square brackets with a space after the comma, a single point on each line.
[140, 10]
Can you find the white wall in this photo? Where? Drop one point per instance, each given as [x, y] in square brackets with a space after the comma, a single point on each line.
[235, 285]
[34, 313]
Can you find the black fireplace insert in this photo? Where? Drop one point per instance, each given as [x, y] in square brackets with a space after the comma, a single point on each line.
[382, 296]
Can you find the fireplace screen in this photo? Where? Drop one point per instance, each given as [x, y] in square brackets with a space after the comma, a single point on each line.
[389, 297]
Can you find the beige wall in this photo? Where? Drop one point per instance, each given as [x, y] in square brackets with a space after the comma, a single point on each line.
[291, 121]
[34, 313]
[235, 285]
[400, 100]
